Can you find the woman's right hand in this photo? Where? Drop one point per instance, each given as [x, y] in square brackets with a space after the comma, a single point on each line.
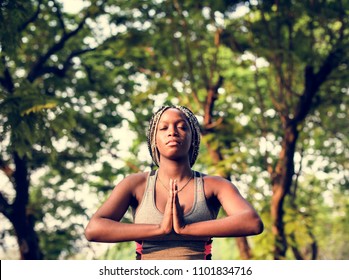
[167, 221]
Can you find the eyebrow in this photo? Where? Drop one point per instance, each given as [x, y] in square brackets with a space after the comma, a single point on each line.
[177, 121]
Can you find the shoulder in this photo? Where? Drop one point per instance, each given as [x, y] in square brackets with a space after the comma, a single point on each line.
[131, 188]
[136, 178]
[212, 180]
[216, 185]
[133, 182]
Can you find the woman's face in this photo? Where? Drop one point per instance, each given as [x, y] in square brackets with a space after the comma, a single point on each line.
[173, 135]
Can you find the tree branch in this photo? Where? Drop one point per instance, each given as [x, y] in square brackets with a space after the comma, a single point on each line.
[59, 16]
[60, 71]
[263, 123]
[188, 52]
[313, 82]
[32, 18]
[6, 81]
[5, 207]
[36, 70]
[212, 95]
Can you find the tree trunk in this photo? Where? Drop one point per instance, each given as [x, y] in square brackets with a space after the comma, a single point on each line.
[281, 184]
[242, 242]
[312, 250]
[244, 248]
[23, 222]
[284, 170]
[216, 155]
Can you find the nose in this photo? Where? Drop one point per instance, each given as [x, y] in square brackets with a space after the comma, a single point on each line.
[172, 131]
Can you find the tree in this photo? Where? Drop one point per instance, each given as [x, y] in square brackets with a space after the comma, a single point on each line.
[306, 39]
[54, 112]
[266, 79]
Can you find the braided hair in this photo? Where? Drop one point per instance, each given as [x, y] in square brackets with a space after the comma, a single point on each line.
[194, 127]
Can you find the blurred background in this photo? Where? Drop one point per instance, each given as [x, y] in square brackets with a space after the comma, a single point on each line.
[268, 81]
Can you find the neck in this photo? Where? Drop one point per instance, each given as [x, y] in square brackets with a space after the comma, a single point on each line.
[169, 169]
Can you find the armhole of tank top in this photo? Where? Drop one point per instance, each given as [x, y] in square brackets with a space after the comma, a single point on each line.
[199, 190]
[199, 183]
[196, 197]
[213, 211]
[151, 173]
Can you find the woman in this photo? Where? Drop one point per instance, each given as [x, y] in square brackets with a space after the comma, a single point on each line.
[174, 207]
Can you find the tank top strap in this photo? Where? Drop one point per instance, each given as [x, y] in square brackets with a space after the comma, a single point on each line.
[147, 199]
[151, 181]
[199, 182]
[201, 197]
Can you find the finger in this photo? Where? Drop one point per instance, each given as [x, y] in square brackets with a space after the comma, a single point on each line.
[176, 209]
[175, 198]
[167, 223]
[174, 187]
[171, 189]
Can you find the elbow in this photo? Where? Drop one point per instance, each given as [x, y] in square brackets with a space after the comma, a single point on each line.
[90, 233]
[257, 225]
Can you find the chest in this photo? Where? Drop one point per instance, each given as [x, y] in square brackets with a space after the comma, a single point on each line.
[185, 199]
[194, 202]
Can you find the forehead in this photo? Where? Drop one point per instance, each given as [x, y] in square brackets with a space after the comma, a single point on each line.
[173, 114]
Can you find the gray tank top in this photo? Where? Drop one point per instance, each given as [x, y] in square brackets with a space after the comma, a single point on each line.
[147, 212]
[174, 246]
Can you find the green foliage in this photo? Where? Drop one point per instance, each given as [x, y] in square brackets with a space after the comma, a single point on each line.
[55, 108]
[64, 115]
[58, 210]
[120, 251]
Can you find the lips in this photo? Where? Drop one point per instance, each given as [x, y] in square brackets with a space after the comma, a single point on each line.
[173, 142]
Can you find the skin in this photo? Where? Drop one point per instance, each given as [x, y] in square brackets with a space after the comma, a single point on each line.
[173, 139]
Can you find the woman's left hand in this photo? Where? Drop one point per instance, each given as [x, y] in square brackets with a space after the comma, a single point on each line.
[178, 222]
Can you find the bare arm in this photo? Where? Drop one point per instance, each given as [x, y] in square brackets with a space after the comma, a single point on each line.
[241, 220]
[105, 225]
